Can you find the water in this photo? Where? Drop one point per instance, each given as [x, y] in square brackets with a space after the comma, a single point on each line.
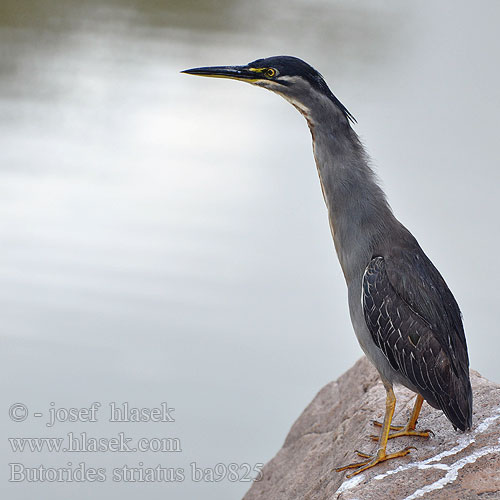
[164, 237]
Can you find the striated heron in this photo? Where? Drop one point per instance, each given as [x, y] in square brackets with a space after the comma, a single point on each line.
[404, 315]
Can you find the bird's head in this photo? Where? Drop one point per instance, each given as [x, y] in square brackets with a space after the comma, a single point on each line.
[295, 80]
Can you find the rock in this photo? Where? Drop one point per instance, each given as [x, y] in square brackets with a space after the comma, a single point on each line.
[451, 464]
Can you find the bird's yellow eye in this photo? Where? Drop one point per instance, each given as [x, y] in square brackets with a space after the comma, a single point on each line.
[270, 72]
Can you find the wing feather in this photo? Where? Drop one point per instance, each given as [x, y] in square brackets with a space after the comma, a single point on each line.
[419, 341]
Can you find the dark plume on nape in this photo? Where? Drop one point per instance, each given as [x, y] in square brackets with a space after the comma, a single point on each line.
[293, 66]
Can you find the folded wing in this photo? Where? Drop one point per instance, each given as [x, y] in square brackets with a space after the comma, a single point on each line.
[414, 319]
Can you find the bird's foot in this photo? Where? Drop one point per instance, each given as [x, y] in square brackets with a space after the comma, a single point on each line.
[406, 430]
[371, 461]
[392, 427]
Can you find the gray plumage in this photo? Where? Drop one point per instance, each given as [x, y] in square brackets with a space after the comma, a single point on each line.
[403, 313]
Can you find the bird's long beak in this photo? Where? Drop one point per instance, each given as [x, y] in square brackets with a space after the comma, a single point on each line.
[243, 73]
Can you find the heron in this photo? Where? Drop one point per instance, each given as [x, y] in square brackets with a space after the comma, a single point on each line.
[405, 317]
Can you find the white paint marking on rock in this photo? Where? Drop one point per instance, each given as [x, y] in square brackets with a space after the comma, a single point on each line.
[452, 473]
[350, 483]
[452, 470]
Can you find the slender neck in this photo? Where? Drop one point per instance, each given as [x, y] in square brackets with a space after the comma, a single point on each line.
[359, 214]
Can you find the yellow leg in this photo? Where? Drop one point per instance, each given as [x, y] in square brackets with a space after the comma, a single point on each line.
[412, 423]
[409, 428]
[381, 455]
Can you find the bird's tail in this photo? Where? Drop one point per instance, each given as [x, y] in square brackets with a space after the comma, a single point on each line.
[456, 401]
